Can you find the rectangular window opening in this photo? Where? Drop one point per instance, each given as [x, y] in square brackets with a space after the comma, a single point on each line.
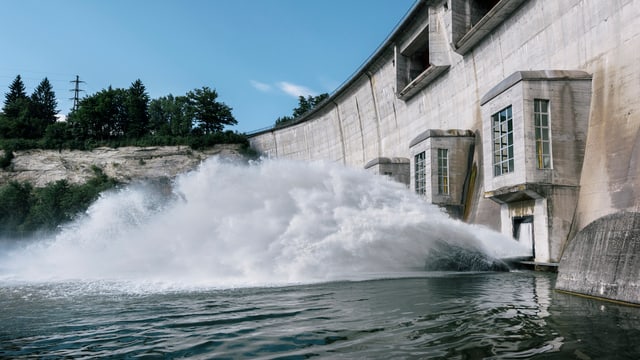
[503, 157]
[420, 173]
[542, 133]
[443, 171]
[415, 57]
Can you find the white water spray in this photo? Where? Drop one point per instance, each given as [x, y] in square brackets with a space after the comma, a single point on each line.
[230, 224]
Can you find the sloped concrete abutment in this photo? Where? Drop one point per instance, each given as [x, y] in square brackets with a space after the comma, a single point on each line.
[603, 260]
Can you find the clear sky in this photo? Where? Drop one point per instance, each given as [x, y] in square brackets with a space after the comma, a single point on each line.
[258, 54]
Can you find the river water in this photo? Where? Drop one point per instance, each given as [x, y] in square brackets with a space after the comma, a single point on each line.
[287, 260]
[435, 316]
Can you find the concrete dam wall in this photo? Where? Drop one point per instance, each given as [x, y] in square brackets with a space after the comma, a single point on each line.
[522, 115]
[602, 260]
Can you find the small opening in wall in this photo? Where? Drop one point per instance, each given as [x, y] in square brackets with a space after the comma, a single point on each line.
[479, 8]
[415, 56]
[472, 20]
[523, 231]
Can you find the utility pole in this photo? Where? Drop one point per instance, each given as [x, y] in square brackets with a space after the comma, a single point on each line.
[76, 92]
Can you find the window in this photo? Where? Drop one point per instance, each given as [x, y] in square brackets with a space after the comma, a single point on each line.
[542, 129]
[421, 53]
[502, 126]
[417, 62]
[413, 60]
[443, 171]
[468, 14]
[473, 20]
[420, 173]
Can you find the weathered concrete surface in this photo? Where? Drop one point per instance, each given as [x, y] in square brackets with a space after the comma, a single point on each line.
[40, 167]
[603, 260]
[376, 115]
[396, 168]
[366, 119]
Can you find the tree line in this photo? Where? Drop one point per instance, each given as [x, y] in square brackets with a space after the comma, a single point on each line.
[114, 117]
[305, 104]
[111, 117]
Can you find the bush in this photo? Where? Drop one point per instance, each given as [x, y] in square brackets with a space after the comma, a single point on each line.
[16, 200]
[25, 210]
[7, 157]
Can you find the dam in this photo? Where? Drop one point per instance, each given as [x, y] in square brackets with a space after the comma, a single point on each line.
[519, 115]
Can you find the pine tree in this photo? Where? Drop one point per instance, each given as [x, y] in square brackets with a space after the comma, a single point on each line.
[43, 111]
[137, 110]
[16, 101]
[44, 102]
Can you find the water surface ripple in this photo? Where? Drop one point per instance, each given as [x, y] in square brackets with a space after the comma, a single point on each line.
[437, 316]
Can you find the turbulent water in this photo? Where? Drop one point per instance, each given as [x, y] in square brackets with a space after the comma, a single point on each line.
[280, 259]
[272, 222]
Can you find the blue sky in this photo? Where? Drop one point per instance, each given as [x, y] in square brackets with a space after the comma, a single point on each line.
[258, 54]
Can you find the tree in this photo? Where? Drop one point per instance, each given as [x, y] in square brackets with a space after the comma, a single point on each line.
[43, 108]
[304, 105]
[137, 111]
[44, 102]
[169, 115]
[208, 114]
[283, 120]
[57, 135]
[15, 205]
[14, 123]
[113, 117]
[48, 209]
[102, 116]
[16, 100]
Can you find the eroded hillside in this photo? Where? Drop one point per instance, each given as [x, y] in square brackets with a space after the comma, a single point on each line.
[40, 167]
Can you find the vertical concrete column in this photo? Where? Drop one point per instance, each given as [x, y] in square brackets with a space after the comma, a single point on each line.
[541, 231]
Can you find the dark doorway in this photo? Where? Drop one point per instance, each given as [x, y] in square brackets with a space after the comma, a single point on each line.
[523, 231]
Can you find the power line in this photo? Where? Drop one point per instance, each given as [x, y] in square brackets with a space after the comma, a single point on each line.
[76, 92]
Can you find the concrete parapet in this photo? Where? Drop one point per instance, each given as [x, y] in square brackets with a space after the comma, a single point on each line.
[603, 260]
[396, 168]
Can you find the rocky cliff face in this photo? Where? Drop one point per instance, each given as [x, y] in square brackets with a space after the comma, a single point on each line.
[40, 167]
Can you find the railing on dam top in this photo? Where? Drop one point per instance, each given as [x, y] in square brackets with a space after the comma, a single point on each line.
[345, 84]
[261, 130]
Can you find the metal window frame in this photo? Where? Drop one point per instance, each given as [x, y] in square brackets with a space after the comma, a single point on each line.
[542, 134]
[443, 171]
[420, 173]
[502, 138]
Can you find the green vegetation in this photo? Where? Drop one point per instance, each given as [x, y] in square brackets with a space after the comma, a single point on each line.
[110, 117]
[113, 118]
[25, 209]
[304, 105]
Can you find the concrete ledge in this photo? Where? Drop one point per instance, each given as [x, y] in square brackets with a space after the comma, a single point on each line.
[603, 260]
[533, 75]
[539, 266]
[440, 133]
[520, 192]
[386, 160]
[422, 81]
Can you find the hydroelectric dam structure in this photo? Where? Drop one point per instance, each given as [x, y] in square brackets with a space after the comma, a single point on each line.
[520, 115]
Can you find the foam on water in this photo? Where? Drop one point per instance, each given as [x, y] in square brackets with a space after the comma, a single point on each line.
[266, 223]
